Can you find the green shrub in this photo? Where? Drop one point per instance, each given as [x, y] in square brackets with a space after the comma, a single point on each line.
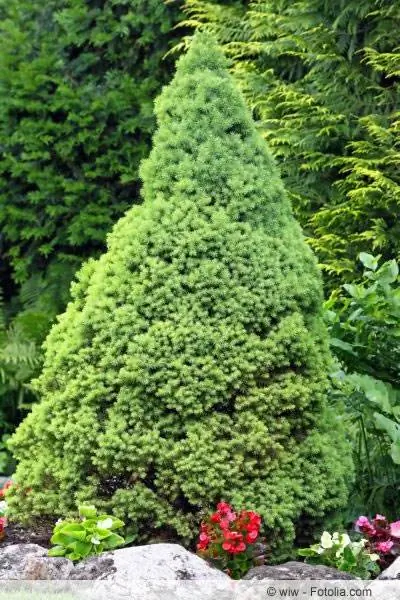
[191, 364]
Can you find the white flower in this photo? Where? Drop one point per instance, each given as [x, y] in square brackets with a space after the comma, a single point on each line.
[374, 557]
[3, 507]
[326, 540]
[358, 547]
[95, 540]
[105, 524]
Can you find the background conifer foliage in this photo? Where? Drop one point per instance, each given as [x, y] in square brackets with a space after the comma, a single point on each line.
[191, 363]
[77, 84]
[322, 79]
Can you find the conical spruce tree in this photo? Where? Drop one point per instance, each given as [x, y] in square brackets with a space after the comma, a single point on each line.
[191, 364]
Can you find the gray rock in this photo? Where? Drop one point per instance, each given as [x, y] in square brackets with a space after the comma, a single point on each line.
[47, 568]
[96, 567]
[156, 562]
[30, 562]
[294, 570]
[392, 572]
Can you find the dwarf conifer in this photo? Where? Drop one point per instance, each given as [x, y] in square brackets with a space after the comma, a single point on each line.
[191, 364]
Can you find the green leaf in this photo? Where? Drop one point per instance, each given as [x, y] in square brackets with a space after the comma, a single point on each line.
[57, 551]
[62, 539]
[338, 343]
[391, 427]
[117, 523]
[102, 534]
[348, 557]
[388, 273]
[395, 452]
[73, 556]
[74, 531]
[87, 510]
[306, 552]
[114, 540]
[82, 548]
[369, 261]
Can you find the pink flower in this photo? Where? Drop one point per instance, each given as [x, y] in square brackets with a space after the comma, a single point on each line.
[395, 529]
[363, 524]
[384, 547]
[380, 518]
[226, 511]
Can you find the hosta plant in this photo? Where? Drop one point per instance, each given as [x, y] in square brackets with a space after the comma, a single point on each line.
[90, 534]
[227, 539]
[339, 551]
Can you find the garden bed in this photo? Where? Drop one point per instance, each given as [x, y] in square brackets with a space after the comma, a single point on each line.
[39, 533]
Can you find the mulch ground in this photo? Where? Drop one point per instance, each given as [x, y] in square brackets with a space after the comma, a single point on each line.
[39, 534]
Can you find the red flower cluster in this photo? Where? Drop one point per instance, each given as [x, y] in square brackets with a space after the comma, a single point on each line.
[3, 524]
[3, 520]
[231, 531]
[383, 537]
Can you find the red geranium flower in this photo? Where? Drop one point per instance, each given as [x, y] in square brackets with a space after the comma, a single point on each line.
[205, 537]
[252, 536]
[3, 523]
[227, 533]
[234, 542]
[226, 511]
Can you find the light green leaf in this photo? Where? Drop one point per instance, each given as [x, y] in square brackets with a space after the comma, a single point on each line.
[88, 511]
[395, 453]
[114, 540]
[391, 427]
[369, 261]
[57, 551]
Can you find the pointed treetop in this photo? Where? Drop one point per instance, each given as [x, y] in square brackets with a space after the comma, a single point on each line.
[207, 146]
[203, 53]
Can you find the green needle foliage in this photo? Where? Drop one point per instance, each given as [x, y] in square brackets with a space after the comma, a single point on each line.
[323, 80]
[77, 83]
[191, 364]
